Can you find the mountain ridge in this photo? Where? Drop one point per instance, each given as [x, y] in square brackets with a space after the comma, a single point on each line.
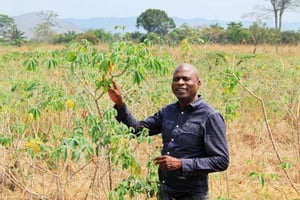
[27, 22]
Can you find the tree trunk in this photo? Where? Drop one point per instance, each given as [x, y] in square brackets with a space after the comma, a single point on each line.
[275, 10]
[280, 21]
[281, 11]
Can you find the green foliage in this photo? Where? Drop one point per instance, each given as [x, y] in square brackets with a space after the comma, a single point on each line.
[9, 32]
[105, 133]
[290, 37]
[98, 133]
[179, 34]
[6, 23]
[102, 35]
[132, 186]
[89, 36]
[34, 112]
[236, 33]
[16, 37]
[54, 110]
[228, 79]
[229, 84]
[259, 176]
[6, 141]
[65, 37]
[156, 21]
[263, 35]
[31, 64]
[135, 36]
[286, 165]
[214, 34]
[152, 38]
[160, 28]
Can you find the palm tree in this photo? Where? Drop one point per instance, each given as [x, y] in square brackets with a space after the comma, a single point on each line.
[15, 36]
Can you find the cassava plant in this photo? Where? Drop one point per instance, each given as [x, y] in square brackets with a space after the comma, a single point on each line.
[73, 125]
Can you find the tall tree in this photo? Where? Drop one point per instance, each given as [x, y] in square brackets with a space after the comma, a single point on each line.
[6, 24]
[16, 37]
[156, 21]
[279, 7]
[236, 33]
[43, 30]
[9, 33]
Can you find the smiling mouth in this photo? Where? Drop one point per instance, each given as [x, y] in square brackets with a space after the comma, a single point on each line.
[180, 89]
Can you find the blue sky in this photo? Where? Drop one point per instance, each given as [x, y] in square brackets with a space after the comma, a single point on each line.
[209, 9]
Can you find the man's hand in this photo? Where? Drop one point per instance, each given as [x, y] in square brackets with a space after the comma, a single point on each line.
[168, 162]
[115, 94]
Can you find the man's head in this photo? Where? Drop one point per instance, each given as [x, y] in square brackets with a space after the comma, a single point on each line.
[185, 83]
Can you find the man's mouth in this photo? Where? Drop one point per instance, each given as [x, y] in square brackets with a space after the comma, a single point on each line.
[180, 89]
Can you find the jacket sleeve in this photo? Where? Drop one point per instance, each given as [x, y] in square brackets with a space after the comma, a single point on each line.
[152, 123]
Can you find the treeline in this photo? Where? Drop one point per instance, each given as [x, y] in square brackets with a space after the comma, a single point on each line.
[235, 33]
[161, 29]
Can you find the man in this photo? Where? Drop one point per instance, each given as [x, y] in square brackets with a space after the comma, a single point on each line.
[193, 136]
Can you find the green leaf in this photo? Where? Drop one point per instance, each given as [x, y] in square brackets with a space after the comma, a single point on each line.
[137, 77]
[71, 56]
[261, 180]
[286, 165]
[31, 64]
[6, 141]
[104, 66]
[51, 63]
[35, 112]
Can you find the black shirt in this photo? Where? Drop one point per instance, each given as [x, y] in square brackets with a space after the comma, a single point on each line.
[196, 135]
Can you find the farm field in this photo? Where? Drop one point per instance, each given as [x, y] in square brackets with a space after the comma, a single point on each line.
[59, 139]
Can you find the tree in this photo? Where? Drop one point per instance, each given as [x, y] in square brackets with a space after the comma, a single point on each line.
[236, 33]
[15, 36]
[102, 35]
[180, 33]
[214, 33]
[65, 37]
[9, 32]
[156, 21]
[6, 24]
[263, 35]
[44, 30]
[279, 7]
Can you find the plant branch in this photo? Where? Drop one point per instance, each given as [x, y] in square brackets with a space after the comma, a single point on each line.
[268, 128]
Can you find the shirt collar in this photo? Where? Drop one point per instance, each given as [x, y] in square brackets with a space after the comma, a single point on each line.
[195, 103]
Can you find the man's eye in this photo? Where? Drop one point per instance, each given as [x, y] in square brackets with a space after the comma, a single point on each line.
[183, 78]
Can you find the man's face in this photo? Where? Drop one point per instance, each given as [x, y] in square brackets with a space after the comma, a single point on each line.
[185, 84]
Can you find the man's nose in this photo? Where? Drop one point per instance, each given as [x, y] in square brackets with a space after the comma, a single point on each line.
[180, 81]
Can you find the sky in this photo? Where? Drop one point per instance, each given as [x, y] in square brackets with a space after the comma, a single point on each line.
[229, 10]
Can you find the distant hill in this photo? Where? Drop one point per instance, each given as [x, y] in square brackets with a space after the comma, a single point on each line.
[109, 24]
[27, 22]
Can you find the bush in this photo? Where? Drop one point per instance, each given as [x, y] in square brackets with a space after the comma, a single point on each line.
[89, 36]
[290, 37]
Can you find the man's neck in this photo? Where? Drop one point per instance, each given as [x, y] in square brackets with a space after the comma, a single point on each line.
[183, 104]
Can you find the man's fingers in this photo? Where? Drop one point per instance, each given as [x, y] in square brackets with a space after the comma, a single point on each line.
[116, 87]
[114, 84]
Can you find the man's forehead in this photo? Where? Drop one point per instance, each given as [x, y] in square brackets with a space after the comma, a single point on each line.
[184, 72]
